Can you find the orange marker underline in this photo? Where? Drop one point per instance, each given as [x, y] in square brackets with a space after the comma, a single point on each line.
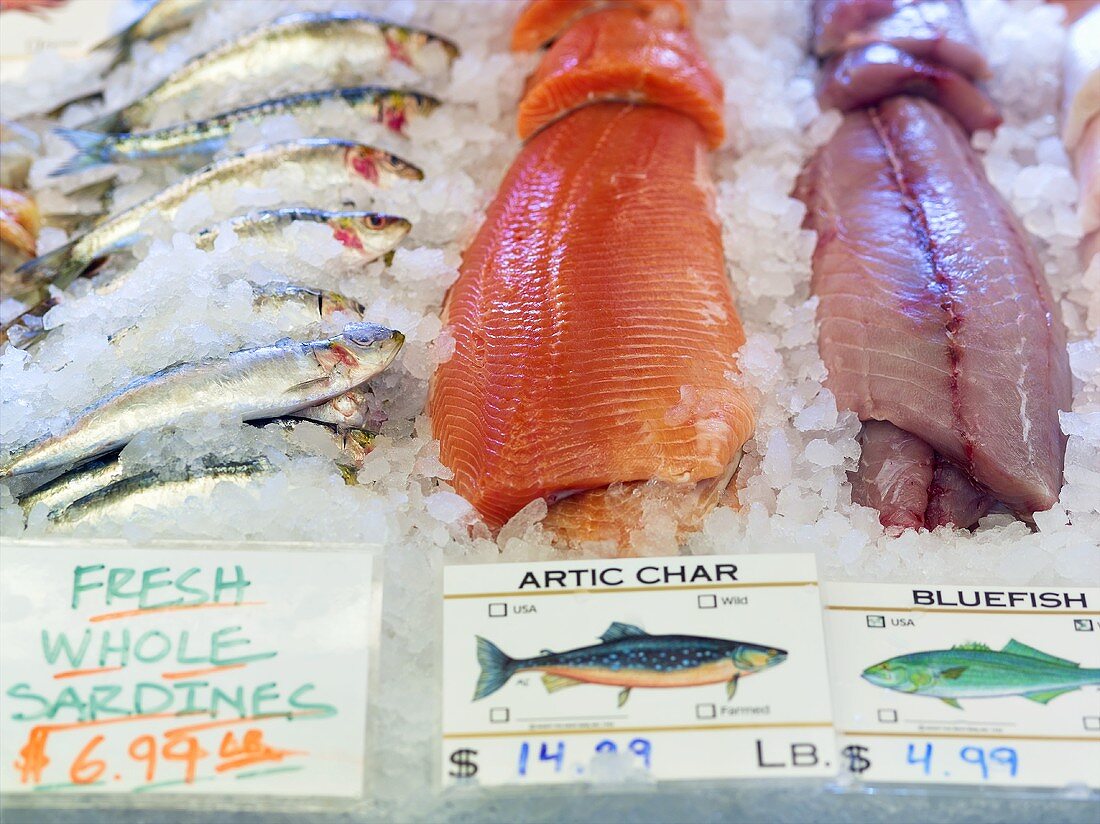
[77, 672]
[130, 613]
[173, 676]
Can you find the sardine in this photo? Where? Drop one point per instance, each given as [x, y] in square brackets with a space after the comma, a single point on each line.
[163, 17]
[335, 44]
[392, 108]
[370, 234]
[326, 162]
[264, 382]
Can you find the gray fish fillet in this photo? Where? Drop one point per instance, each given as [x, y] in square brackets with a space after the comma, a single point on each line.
[937, 31]
[391, 107]
[934, 312]
[325, 162]
[265, 382]
[336, 44]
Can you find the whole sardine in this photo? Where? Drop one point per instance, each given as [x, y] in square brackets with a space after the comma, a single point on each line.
[326, 162]
[264, 382]
[74, 484]
[370, 234]
[392, 108]
[335, 44]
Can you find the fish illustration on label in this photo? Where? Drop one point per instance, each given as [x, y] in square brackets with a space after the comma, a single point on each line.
[629, 657]
[975, 671]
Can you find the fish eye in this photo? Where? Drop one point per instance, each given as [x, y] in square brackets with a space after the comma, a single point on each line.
[376, 221]
[367, 334]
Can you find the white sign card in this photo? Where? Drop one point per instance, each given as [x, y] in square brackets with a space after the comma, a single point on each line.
[183, 671]
[645, 668]
[966, 685]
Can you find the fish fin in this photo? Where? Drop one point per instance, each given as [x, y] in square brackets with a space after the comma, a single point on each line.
[546, 652]
[618, 631]
[1014, 647]
[952, 702]
[973, 646]
[58, 267]
[953, 672]
[1047, 696]
[307, 384]
[731, 687]
[496, 668]
[553, 683]
[624, 693]
[92, 149]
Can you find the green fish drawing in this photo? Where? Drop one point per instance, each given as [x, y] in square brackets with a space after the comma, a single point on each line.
[976, 671]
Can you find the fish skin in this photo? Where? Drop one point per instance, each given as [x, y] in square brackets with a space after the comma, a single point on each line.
[894, 473]
[933, 310]
[619, 54]
[867, 75]
[370, 234]
[974, 671]
[953, 499]
[390, 107]
[629, 657]
[263, 382]
[74, 484]
[322, 41]
[936, 31]
[557, 311]
[542, 21]
[321, 159]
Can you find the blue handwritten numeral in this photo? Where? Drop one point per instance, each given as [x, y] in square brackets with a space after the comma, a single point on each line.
[524, 752]
[643, 749]
[1005, 756]
[558, 757]
[925, 759]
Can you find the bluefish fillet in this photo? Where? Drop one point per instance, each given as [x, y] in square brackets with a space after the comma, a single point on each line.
[335, 44]
[934, 312]
[976, 671]
[630, 657]
[265, 382]
[325, 162]
[392, 108]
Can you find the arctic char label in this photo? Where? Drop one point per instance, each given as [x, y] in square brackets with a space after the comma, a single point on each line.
[176, 670]
[635, 669]
[966, 685]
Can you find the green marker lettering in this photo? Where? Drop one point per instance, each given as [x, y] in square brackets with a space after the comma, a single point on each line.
[141, 707]
[149, 583]
[181, 652]
[117, 578]
[296, 703]
[78, 581]
[181, 584]
[123, 649]
[99, 702]
[141, 648]
[236, 701]
[23, 692]
[262, 693]
[69, 699]
[218, 642]
[191, 687]
[239, 584]
[61, 644]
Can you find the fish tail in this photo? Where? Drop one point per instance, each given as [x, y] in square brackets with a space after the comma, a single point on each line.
[58, 267]
[496, 668]
[92, 149]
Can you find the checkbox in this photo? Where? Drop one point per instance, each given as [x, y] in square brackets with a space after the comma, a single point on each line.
[708, 602]
[498, 715]
[1083, 624]
[1092, 722]
[706, 711]
[498, 610]
[876, 621]
[888, 716]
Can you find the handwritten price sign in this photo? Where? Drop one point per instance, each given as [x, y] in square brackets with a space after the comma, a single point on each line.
[183, 671]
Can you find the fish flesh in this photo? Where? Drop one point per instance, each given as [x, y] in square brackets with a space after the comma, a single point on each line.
[542, 21]
[867, 75]
[629, 657]
[347, 413]
[591, 351]
[19, 223]
[264, 382]
[976, 671]
[934, 313]
[619, 54]
[323, 161]
[369, 235]
[389, 107]
[332, 43]
[163, 18]
[935, 31]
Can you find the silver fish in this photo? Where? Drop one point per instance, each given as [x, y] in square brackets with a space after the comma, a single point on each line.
[336, 45]
[155, 489]
[390, 107]
[324, 161]
[264, 382]
[74, 484]
[370, 234]
[163, 17]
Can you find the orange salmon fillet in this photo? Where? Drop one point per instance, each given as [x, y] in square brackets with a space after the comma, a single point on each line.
[618, 54]
[544, 20]
[594, 322]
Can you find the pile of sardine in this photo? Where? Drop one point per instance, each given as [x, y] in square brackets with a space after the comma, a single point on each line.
[75, 470]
